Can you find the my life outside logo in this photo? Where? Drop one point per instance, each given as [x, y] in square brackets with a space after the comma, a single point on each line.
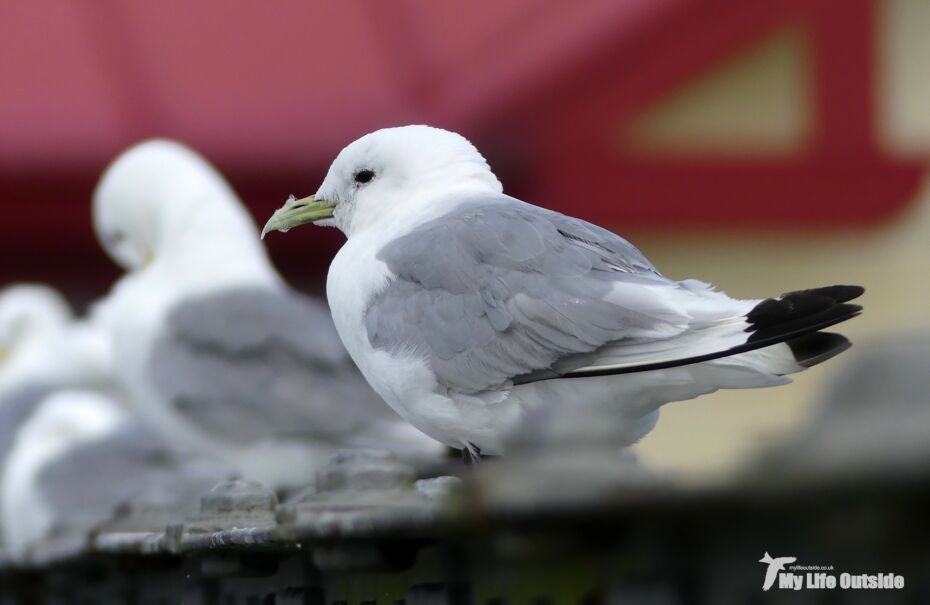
[783, 574]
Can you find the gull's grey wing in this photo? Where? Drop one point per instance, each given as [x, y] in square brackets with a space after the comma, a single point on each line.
[498, 289]
[254, 363]
[84, 485]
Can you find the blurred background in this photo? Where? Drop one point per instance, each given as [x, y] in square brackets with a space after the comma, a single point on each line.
[763, 146]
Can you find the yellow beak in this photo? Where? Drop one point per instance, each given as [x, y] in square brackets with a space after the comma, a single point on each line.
[296, 212]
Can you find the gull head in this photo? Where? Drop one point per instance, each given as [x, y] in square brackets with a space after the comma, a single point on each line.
[153, 196]
[384, 175]
[28, 311]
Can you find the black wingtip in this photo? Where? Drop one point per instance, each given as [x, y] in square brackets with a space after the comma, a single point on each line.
[803, 311]
[816, 348]
[839, 293]
[803, 324]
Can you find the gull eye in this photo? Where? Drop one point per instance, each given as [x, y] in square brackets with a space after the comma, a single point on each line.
[364, 176]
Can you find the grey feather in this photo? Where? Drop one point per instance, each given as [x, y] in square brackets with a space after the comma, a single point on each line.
[85, 486]
[253, 363]
[498, 288]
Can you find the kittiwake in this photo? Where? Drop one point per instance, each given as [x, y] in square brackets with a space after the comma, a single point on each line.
[42, 342]
[79, 457]
[464, 307]
[44, 349]
[211, 346]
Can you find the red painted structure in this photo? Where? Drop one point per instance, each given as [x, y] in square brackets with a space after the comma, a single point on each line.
[270, 92]
[840, 178]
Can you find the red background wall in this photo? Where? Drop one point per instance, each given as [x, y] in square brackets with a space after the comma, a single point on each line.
[271, 91]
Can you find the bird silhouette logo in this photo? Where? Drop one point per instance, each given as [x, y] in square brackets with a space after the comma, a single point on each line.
[774, 566]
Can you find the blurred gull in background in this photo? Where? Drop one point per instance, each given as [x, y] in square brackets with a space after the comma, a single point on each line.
[77, 458]
[465, 308]
[43, 349]
[40, 342]
[213, 348]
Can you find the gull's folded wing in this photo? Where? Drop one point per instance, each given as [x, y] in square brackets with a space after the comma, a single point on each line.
[254, 363]
[498, 291]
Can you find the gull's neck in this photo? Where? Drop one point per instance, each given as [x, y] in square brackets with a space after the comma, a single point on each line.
[28, 351]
